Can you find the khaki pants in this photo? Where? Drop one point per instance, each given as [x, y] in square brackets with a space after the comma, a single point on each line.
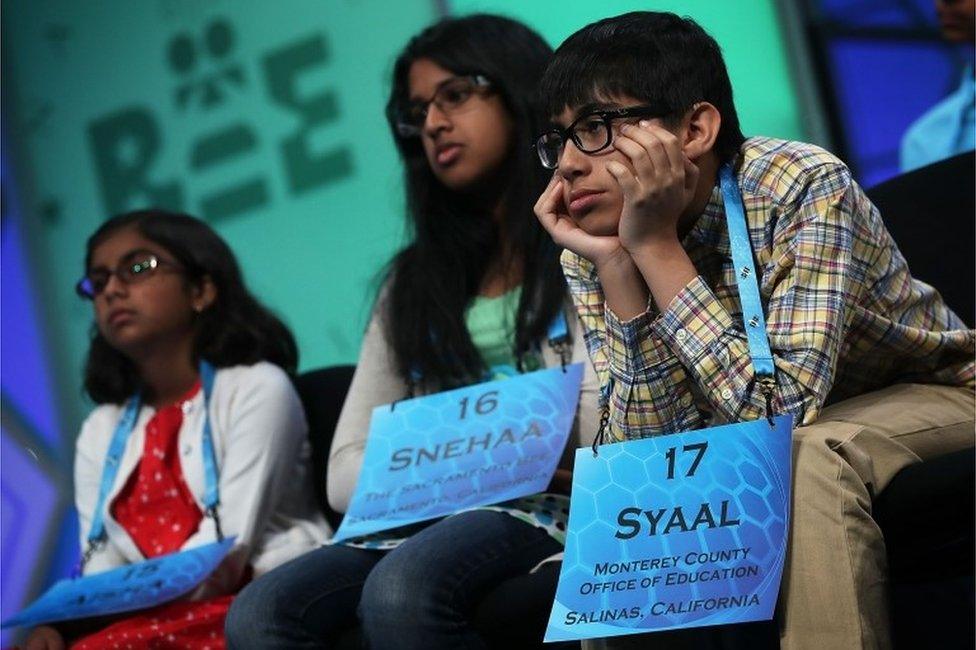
[834, 591]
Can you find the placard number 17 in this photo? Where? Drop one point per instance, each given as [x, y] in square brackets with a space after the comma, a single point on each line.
[699, 449]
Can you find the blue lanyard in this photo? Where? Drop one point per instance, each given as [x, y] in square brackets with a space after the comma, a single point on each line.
[127, 423]
[558, 328]
[753, 319]
[558, 336]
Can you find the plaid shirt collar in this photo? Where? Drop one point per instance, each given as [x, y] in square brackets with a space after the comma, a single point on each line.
[710, 231]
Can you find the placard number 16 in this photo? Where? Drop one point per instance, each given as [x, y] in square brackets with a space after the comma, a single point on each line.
[483, 406]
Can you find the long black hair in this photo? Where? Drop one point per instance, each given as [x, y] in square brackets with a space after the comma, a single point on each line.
[432, 280]
[657, 58]
[235, 329]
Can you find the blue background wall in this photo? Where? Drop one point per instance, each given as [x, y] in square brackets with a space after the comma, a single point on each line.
[882, 64]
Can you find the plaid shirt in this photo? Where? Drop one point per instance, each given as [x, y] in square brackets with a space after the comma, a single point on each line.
[843, 315]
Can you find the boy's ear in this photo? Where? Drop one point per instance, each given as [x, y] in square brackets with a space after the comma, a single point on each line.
[702, 124]
[204, 294]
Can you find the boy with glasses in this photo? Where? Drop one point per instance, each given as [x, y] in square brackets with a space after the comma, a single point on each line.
[876, 369]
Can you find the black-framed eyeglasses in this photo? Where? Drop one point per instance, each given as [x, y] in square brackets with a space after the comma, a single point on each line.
[590, 132]
[449, 97]
[134, 268]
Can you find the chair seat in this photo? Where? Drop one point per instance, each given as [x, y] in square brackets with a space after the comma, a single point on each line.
[926, 516]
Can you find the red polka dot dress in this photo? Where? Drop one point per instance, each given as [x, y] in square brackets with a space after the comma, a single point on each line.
[157, 510]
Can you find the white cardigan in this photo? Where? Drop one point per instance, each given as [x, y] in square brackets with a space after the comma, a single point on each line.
[260, 441]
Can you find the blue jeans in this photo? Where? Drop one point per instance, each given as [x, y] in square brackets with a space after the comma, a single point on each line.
[419, 595]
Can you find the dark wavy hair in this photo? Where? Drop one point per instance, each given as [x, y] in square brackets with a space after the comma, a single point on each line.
[433, 279]
[658, 58]
[235, 329]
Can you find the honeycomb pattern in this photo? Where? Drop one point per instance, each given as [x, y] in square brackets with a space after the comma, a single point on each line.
[746, 465]
[127, 588]
[508, 450]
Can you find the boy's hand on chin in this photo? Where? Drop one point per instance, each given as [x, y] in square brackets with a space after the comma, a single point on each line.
[551, 211]
[658, 189]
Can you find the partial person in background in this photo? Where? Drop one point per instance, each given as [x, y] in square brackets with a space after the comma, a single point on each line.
[949, 127]
[171, 311]
[470, 298]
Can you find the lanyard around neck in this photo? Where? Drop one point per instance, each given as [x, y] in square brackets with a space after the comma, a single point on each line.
[558, 336]
[754, 322]
[125, 427]
[558, 328]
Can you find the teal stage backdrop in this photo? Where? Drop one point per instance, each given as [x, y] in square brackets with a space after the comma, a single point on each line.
[266, 119]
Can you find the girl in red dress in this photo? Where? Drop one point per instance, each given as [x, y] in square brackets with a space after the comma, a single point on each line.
[182, 347]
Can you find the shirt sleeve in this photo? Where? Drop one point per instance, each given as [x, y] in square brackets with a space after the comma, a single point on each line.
[89, 464]
[588, 414]
[584, 287]
[265, 430]
[375, 382]
[624, 356]
[266, 434]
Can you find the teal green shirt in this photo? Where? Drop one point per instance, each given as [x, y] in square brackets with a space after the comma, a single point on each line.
[491, 324]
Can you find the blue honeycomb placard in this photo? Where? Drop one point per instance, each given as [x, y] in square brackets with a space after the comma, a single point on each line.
[645, 552]
[125, 589]
[435, 455]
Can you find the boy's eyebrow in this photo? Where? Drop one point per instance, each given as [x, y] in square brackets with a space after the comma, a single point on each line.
[593, 107]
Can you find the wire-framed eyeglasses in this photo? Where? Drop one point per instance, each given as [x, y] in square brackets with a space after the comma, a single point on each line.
[451, 96]
[136, 267]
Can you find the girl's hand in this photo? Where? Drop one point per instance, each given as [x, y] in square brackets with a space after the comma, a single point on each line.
[552, 214]
[44, 638]
[659, 188]
[230, 576]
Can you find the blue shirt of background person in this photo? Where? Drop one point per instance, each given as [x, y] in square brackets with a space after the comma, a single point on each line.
[949, 127]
